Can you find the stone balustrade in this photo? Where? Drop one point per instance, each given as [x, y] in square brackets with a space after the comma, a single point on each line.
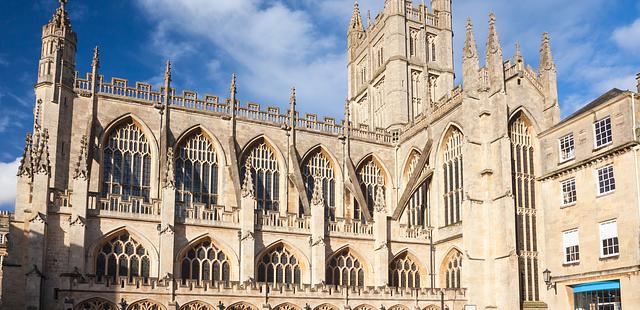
[272, 220]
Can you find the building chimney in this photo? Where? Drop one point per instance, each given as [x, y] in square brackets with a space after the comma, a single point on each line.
[638, 82]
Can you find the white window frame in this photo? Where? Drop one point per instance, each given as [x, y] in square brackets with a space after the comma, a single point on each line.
[561, 153]
[564, 194]
[566, 243]
[612, 185]
[604, 235]
[595, 136]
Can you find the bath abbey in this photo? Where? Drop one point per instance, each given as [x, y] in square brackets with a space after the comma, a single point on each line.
[426, 196]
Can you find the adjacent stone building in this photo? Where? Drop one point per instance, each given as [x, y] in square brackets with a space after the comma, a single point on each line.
[427, 196]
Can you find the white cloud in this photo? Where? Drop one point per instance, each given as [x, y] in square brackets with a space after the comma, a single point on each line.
[628, 37]
[4, 123]
[8, 182]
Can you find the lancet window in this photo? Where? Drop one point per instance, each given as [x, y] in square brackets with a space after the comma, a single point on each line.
[319, 165]
[370, 178]
[266, 178]
[279, 265]
[523, 187]
[453, 176]
[418, 204]
[196, 173]
[122, 256]
[416, 94]
[453, 270]
[206, 262]
[126, 163]
[345, 269]
[404, 272]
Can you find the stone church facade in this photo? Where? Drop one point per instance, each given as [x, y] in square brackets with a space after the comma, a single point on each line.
[427, 196]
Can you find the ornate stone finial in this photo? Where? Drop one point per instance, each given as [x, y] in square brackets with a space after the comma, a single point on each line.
[26, 164]
[493, 43]
[247, 184]
[167, 72]
[292, 99]
[546, 58]
[42, 163]
[81, 170]
[37, 115]
[233, 89]
[317, 199]
[379, 204]
[356, 19]
[470, 48]
[95, 63]
[169, 173]
[368, 18]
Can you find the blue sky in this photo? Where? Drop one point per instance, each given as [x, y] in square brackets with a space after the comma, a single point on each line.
[276, 44]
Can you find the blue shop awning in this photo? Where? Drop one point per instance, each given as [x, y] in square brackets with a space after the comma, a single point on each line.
[596, 286]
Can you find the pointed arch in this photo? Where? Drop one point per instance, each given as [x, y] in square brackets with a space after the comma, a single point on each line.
[398, 307]
[96, 303]
[431, 307]
[451, 269]
[410, 162]
[326, 306]
[242, 305]
[286, 306]
[197, 305]
[205, 259]
[135, 239]
[364, 307]
[406, 270]
[523, 111]
[127, 175]
[345, 267]
[451, 156]
[146, 304]
[266, 164]
[371, 174]
[319, 163]
[199, 129]
[198, 159]
[281, 263]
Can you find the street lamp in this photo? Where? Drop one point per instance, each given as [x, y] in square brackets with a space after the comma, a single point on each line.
[546, 275]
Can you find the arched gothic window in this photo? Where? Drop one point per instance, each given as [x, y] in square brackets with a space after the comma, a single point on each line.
[321, 165]
[404, 272]
[418, 205]
[266, 177]
[197, 305]
[452, 176]
[416, 93]
[370, 178]
[196, 172]
[146, 304]
[453, 269]
[126, 166]
[279, 265]
[345, 269]
[96, 304]
[122, 256]
[204, 261]
[242, 306]
[523, 187]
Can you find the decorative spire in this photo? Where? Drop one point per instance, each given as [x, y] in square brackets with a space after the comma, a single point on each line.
[247, 184]
[233, 89]
[470, 47]
[42, 155]
[368, 18]
[356, 19]
[60, 17]
[81, 170]
[546, 58]
[292, 99]
[317, 198]
[493, 43]
[167, 72]
[26, 164]
[169, 174]
[96, 57]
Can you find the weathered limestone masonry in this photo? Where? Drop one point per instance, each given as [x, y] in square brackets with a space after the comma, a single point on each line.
[427, 195]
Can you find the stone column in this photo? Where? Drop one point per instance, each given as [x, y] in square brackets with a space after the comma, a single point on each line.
[79, 199]
[167, 215]
[247, 227]
[317, 233]
[380, 234]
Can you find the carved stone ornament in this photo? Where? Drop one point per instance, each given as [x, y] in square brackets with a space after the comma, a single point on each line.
[247, 184]
[379, 205]
[318, 241]
[317, 199]
[81, 170]
[39, 218]
[247, 235]
[168, 229]
[383, 246]
[78, 221]
[26, 164]
[42, 154]
[169, 174]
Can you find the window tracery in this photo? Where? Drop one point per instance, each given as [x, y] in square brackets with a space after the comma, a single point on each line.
[345, 269]
[418, 205]
[205, 262]
[404, 272]
[279, 265]
[96, 304]
[126, 166]
[196, 173]
[453, 177]
[370, 178]
[453, 270]
[319, 165]
[197, 305]
[242, 306]
[266, 177]
[122, 256]
[146, 304]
